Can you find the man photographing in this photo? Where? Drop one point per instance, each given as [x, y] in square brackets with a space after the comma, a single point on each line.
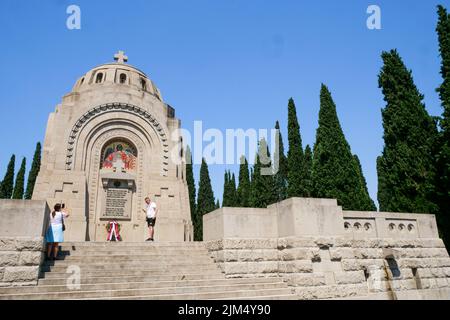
[150, 210]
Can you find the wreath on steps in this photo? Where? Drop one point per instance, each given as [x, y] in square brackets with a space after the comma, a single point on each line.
[113, 230]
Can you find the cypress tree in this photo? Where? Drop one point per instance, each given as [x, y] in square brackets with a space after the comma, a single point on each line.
[443, 154]
[226, 190]
[256, 195]
[229, 190]
[406, 169]
[307, 168]
[252, 170]
[443, 31]
[243, 190]
[20, 181]
[366, 203]
[233, 192]
[262, 191]
[334, 173]
[205, 200]
[280, 175]
[35, 167]
[8, 181]
[217, 204]
[190, 182]
[295, 186]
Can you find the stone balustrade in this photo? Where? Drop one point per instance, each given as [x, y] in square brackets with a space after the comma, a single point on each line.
[359, 224]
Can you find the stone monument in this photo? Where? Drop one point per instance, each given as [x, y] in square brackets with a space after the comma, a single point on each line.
[108, 145]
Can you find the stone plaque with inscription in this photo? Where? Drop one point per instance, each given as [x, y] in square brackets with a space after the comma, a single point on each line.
[117, 200]
[116, 203]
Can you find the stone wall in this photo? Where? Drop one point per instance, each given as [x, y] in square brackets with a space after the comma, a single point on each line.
[329, 253]
[23, 225]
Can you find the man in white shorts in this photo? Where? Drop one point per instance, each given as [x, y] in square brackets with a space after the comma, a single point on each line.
[150, 210]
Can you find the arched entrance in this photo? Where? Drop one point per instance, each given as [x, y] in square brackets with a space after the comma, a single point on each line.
[116, 195]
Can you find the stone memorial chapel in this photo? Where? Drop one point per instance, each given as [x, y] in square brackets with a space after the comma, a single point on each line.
[108, 145]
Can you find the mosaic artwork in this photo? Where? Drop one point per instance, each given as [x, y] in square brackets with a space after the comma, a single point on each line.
[119, 153]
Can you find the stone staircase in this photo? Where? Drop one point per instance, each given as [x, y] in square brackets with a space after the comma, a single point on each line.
[116, 270]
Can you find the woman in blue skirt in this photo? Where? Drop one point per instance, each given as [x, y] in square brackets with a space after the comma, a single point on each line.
[55, 233]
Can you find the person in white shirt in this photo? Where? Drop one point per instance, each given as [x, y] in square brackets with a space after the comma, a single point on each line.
[55, 231]
[151, 211]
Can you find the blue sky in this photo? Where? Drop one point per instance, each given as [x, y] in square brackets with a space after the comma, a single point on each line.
[229, 63]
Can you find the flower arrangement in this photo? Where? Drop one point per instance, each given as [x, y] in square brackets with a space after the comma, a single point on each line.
[113, 229]
[108, 226]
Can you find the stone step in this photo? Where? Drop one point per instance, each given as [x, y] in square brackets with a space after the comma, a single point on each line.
[134, 272]
[137, 252]
[143, 270]
[135, 258]
[144, 244]
[133, 278]
[265, 294]
[62, 266]
[290, 296]
[125, 245]
[148, 284]
[133, 251]
[136, 292]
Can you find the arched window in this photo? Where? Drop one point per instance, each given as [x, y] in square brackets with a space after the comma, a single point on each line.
[143, 84]
[123, 78]
[99, 78]
[82, 81]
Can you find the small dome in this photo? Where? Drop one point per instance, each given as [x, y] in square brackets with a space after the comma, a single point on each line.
[117, 73]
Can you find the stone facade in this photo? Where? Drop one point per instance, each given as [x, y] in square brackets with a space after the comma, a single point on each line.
[324, 252]
[23, 224]
[115, 104]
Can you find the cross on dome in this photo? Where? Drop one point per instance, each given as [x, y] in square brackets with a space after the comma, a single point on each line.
[120, 57]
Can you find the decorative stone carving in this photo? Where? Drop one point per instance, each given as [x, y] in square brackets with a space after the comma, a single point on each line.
[96, 111]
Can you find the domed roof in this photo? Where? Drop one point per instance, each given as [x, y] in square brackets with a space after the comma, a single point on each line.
[117, 73]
